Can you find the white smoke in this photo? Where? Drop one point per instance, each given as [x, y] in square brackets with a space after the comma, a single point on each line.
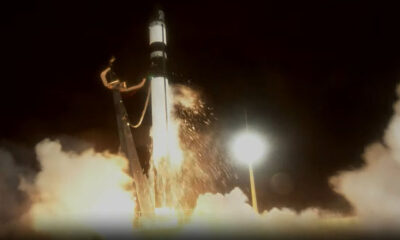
[374, 189]
[232, 213]
[12, 201]
[82, 193]
[91, 192]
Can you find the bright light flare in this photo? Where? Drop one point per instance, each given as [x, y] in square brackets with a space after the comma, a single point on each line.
[249, 147]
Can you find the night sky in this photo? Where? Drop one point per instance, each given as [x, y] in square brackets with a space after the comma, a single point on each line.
[317, 79]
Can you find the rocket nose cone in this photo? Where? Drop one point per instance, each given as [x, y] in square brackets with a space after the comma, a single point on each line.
[158, 14]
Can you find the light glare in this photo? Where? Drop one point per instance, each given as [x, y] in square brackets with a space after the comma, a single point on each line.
[248, 147]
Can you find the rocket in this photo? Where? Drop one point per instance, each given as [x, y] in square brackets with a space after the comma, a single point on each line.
[160, 110]
[160, 92]
[158, 44]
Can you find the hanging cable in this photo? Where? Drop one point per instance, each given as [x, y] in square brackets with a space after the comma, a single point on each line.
[121, 86]
[144, 110]
[115, 82]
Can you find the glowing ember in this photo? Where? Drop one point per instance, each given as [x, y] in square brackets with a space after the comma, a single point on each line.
[190, 168]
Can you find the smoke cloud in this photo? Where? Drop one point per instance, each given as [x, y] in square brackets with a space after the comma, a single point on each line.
[374, 189]
[91, 193]
[232, 213]
[13, 202]
[80, 193]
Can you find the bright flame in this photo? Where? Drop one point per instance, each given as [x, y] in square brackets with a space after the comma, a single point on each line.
[165, 129]
[248, 147]
[166, 218]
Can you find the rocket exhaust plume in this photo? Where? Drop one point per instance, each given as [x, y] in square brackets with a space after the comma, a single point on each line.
[88, 193]
[82, 192]
[103, 194]
[374, 189]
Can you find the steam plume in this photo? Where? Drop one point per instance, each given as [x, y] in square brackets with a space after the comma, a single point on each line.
[91, 192]
[84, 193]
[374, 189]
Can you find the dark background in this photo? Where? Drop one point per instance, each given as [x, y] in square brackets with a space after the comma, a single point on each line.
[317, 79]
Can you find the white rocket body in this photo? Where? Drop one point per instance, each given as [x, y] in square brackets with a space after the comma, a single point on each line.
[160, 92]
[160, 116]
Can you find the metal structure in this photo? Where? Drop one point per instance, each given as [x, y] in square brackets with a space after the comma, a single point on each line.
[127, 143]
[159, 91]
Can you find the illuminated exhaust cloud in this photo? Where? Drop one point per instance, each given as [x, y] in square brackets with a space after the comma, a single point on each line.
[101, 194]
[374, 189]
[66, 195]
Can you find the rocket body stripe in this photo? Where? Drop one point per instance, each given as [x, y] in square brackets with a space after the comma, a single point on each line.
[157, 33]
[155, 54]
